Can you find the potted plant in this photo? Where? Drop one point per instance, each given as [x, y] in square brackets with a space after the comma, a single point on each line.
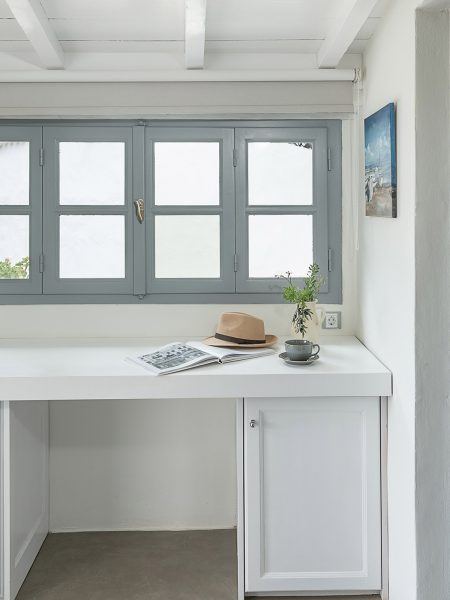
[305, 321]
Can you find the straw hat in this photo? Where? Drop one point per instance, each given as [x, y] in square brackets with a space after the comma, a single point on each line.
[239, 330]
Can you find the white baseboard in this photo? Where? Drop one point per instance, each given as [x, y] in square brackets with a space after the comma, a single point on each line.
[118, 529]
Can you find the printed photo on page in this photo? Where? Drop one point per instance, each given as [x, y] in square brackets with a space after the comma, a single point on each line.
[174, 356]
[179, 356]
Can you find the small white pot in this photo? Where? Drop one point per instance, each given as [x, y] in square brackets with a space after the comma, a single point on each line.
[313, 324]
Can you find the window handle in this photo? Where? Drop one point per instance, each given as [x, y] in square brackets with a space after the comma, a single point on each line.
[140, 210]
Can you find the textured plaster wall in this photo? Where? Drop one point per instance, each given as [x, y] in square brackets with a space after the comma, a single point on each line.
[432, 305]
[386, 281]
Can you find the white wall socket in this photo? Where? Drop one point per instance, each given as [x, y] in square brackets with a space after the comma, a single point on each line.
[332, 320]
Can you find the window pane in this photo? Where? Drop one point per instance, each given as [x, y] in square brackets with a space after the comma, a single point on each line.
[280, 243]
[280, 173]
[187, 246]
[14, 246]
[92, 246]
[14, 172]
[187, 173]
[91, 173]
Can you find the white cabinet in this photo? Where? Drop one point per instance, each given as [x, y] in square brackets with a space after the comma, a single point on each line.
[2, 502]
[25, 485]
[312, 494]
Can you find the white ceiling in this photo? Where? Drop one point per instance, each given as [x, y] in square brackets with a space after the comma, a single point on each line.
[150, 34]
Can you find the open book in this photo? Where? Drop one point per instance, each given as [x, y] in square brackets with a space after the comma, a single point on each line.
[179, 356]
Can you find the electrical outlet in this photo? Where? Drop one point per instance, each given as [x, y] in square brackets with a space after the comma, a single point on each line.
[332, 320]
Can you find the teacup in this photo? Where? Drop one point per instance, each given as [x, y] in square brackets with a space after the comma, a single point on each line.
[301, 349]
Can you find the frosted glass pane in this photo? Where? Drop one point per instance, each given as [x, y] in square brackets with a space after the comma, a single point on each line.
[92, 246]
[280, 173]
[91, 173]
[14, 173]
[14, 246]
[187, 173]
[280, 243]
[187, 246]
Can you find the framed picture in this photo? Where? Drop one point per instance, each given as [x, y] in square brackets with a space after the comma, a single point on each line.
[380, 163]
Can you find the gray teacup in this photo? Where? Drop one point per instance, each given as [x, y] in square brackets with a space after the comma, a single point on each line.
[301, 349]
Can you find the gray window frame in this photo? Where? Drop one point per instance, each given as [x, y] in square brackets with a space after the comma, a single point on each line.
[33, 135]
[140, 285]
[52, 136]
[225, 209]
[318, 209]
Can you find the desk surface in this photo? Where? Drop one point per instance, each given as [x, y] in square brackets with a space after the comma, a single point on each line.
[80, 369]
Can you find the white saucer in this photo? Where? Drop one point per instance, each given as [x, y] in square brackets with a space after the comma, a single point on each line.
[297, 363]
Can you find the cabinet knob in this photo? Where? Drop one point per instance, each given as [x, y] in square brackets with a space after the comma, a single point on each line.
[253, 423]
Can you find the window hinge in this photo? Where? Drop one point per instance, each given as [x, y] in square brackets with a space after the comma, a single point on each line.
[236, 264]
[329, 159]
[41, 263]
[41, 157]
[330, 260]
[234, 157]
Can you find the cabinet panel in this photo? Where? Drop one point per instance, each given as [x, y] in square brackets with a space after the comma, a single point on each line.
[3, 515]
[29, 485]
[312, 490]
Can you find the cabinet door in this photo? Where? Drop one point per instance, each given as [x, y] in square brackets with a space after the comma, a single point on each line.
[29, 486]
[3, 537]
[312, 494]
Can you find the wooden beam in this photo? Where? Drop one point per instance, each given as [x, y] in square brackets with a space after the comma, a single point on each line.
[195, 26]
[32, 19]
[348, 24]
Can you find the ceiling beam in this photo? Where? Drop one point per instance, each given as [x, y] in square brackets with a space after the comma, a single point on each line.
[32, 19]
[348, 24]
[195, 28]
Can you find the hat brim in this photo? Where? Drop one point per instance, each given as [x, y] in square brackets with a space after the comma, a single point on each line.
[271, 340]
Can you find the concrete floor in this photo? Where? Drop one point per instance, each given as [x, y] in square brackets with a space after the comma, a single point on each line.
[169, 565]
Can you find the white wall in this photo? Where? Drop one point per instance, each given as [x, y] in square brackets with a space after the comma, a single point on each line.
[158, 464]
[386, 281]
[161, 464]
[432, 305]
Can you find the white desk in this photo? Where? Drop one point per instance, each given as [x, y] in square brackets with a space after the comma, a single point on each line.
[347, 386]
[95, 369]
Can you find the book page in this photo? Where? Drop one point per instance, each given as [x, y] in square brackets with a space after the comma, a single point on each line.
[173, 357]
[230, 354]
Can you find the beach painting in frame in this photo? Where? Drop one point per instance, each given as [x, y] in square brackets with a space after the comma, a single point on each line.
[380, 163]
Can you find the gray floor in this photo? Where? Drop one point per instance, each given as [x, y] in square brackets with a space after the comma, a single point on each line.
[187, 565]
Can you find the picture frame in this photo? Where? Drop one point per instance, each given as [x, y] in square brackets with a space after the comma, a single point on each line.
[380, 163]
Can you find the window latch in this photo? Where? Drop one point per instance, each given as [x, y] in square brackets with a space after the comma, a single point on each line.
[140, 210]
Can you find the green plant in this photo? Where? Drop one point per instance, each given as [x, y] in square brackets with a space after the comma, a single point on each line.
[301, 296]
[19, 270]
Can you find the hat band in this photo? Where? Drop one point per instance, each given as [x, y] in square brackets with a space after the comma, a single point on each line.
[229, 338]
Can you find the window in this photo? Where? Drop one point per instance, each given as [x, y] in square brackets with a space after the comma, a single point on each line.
[190, 183]
[20, 210]
[87, 210]
[176, 212]
[281, 182]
